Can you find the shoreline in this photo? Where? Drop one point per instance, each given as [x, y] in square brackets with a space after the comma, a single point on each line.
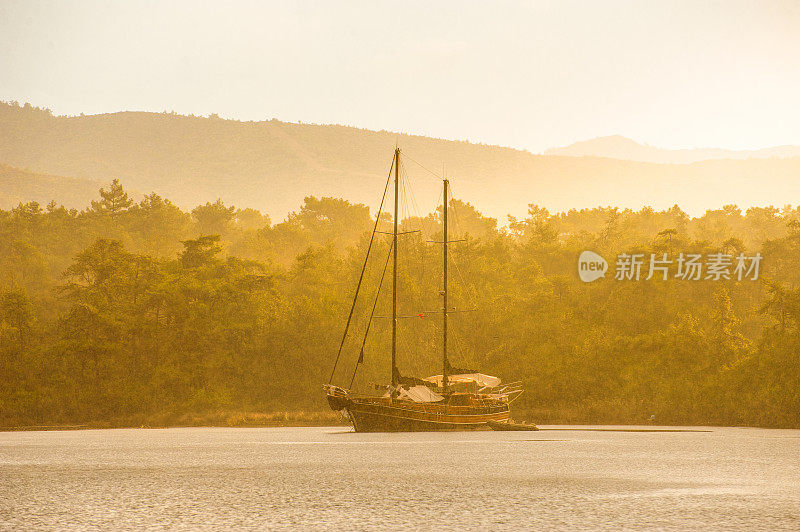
[226, 419]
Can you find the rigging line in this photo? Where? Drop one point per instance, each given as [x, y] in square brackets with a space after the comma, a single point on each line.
[404, 214]
[408, 204]
[460, 350]
[383, 337]
[420, 248]
[412, 209]
[435, 201]
[472, 292]
[469, 289]
[458, 226]
[404, 203]
[459, 219]
[408, 338]
[361, 277]
[369, 322]
[412, 204]
[457, 355]
[412, 355]
[454, 356]
[415, 215]
[437, 176]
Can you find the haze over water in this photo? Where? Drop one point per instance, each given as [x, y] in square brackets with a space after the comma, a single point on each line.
[203, 478]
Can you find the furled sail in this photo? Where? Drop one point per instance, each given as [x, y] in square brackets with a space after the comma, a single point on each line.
[479, 379]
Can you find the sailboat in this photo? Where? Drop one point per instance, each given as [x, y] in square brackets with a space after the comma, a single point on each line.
[456, 399]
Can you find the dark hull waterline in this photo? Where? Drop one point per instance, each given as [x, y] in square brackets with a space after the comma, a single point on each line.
[508, 426]
[396, 418]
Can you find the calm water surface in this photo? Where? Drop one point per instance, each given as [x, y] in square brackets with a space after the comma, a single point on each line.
[315, 478]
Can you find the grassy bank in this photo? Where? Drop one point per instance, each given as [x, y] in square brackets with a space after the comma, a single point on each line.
[217, 418]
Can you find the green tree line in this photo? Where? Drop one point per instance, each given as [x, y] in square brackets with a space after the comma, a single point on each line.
[129, 311]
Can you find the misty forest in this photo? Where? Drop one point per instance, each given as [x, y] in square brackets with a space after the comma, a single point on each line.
[142, 313]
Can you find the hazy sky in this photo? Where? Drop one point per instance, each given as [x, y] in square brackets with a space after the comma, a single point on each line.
[524, 74]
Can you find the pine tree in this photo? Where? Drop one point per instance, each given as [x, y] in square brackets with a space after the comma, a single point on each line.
[113, 201]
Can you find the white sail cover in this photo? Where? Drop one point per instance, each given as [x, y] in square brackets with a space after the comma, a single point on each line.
[419, 394]
[478, 378]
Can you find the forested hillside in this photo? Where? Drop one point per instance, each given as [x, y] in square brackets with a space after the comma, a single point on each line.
[20, 186]
[273, 165]
[140, 312]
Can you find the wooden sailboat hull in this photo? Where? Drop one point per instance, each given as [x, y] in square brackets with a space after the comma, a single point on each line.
[401, 416]
[409, 404]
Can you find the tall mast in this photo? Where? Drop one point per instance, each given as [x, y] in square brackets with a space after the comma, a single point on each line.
[394, 269]
[444, 290]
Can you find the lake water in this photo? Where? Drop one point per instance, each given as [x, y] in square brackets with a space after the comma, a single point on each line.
[315, 478]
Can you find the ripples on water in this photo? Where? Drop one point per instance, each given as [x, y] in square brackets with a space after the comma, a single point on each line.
[326, 478]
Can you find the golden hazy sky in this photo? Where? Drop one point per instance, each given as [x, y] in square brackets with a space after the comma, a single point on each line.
[524, 74]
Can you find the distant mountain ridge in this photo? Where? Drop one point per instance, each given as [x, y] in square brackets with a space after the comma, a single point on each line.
[619, 147]
[272, 166]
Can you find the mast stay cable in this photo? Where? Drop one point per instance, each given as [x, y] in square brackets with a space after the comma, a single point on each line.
[371, 316]
[361, 276]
